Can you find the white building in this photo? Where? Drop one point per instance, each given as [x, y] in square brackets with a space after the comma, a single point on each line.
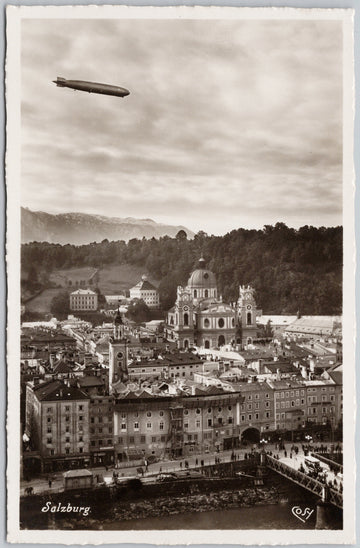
[147, 292]
[83, 300]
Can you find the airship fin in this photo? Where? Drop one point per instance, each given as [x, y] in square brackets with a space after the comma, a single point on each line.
[60, 81]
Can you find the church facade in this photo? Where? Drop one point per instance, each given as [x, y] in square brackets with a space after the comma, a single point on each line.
[200, 317]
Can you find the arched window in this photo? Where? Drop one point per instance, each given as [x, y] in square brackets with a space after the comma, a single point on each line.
[206, 322]
[207, 344]
[186, 318]
[248, 321]
[221, 322]
[186, 343]
[206, 293]
[195, 293]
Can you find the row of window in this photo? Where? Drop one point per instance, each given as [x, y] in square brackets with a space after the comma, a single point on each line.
[137, 427]
[142, 439]
[99, 443]
[67, 451]
[67, 418]
[65, 408]
[249, 406]
[108, 430]
[257, 396]
[256, 416]
[283, 417]
[210, 422]
[186, 412]
[100, 419]
[67, 428]
[324, 410]
[67, 440]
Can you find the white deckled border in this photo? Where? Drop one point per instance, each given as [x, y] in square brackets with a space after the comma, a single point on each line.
[15, 14]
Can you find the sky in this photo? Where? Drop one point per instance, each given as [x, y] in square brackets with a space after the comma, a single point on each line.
[228, 124]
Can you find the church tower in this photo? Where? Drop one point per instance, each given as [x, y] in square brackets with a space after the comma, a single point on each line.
[247, 313]
[118, 354]
[184, 318]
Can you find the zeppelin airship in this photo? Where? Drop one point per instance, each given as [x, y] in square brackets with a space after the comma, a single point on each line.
[91, 87]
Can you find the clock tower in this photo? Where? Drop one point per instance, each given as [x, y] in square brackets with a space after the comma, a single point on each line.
[247, 313]
[184, 314]
[118, 354]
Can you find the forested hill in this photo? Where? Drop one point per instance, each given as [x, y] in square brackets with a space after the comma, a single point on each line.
[291, 270]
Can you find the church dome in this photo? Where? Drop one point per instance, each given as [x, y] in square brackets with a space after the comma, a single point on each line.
[202, 278]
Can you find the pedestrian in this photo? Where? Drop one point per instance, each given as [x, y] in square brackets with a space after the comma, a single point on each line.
[50, 483]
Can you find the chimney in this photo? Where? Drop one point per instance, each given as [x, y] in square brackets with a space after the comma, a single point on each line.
[278, 375]
[303, 371]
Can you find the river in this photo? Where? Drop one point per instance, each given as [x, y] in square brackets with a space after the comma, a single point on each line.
[275, 516]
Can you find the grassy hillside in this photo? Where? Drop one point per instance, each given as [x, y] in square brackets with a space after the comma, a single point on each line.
[114, 279]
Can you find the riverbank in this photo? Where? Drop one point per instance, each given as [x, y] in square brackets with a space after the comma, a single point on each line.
[137, 506]
[192, 503]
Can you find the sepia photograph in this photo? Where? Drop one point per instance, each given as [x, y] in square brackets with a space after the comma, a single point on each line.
[180, 264]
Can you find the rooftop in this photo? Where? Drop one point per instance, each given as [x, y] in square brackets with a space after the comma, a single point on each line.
[77, 473]
[58, 391]
[83, 292]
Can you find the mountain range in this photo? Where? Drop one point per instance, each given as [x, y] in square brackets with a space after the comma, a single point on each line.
[83, 228]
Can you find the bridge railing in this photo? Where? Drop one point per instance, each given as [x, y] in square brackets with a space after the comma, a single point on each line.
[332, 464]
[304, 480]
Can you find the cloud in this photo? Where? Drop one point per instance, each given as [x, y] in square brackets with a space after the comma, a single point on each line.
[228, 123]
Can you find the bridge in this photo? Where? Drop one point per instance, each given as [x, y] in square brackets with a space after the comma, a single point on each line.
[316, 487]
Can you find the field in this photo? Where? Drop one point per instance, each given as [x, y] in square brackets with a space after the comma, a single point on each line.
[41, 303]
[60, 277]
[113, 280]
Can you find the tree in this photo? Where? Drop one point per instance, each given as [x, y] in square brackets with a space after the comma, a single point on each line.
[60, 305]
[138, 312]
[181, 235]
[266, 332]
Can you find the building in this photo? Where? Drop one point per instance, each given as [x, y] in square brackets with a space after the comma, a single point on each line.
[167, 426]
[101, 430]
[256, 411]
[300, 402]
[147, 292]
[118, 355]
[83, 300]
[169, 366]
[78, 479]
[315, 326]
[200, 318]
[57, 423]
